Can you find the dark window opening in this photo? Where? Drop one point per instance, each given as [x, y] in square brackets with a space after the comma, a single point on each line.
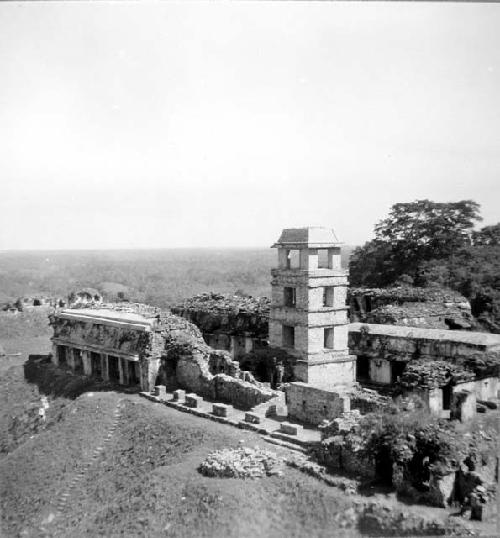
[113, 368]
[328, 338]
[61, 355]
[133, 373]
[288, 336]
[77, 356]
[290, 297]
[368, 304]
[362, 368]
[95, 362]
[328, 296]
[397, 369]
[447, 398]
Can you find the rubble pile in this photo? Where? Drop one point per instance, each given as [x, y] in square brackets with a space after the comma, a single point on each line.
[346, 423]
[213, 312]
[435, 308]
[433, 374]
[216, 302]
[409, 294]
[367, 400]
[424, 315]
[483, 364]
[241, 462]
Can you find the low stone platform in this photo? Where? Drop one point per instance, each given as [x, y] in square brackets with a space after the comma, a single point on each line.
[268, 427]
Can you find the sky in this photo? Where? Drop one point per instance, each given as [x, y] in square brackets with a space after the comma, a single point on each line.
[217, 124]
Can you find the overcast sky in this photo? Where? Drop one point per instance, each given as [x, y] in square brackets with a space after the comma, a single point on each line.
[218, 124]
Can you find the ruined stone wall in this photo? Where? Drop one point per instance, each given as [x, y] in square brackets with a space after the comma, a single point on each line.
[231, 323]
[227, 314]
[171, 351]
[433, 308]
[313, 405]
[371, 341]
[211, 373]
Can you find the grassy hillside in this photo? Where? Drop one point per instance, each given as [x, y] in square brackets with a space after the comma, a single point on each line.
[143, 481]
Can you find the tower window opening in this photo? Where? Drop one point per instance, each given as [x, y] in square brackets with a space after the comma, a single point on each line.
[328, 296]
[288, 336]
[328, 338]
[290, 296]
[293, 259]
[323, 258]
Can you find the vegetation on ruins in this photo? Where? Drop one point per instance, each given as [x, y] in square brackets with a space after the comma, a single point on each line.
[427, 243]
[410, 452]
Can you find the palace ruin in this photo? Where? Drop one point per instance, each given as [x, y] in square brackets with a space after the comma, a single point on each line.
[296, 355]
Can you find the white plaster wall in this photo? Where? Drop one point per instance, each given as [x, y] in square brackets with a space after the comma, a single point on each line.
[341, 336]
[435, 400]
[332, 373]
[486, 389]
[380, 371]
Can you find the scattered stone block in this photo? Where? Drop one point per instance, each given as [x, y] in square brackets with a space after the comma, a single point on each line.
[290, 429]
[252, 418]
[488, 403]
[179, 395]
[281, 411]
[271, 411]
[160, 391]
[220, 410]
[193, 400]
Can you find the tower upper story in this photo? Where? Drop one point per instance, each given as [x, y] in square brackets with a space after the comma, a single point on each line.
[308, 249]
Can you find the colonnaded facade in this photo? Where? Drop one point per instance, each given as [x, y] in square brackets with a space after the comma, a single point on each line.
[112, 345]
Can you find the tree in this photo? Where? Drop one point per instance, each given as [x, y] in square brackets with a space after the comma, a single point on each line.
[412, 233]
[425, 229]
[370, 265]
[489, 235]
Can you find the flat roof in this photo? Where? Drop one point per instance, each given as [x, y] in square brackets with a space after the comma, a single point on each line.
[311, 236]
[107, 316]
[400, 331]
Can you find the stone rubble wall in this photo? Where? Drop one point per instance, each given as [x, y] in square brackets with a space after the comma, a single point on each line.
[208, 372]
[313, 405]
[215, 313]
[172, 353]
[414, 307]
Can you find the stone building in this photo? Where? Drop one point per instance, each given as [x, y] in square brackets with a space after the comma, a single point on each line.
[235, 324]
[140, 346]
[450, 370]
[308, 314]
[113, 345]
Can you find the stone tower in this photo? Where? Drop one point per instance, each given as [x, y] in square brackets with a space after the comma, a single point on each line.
[308, 306]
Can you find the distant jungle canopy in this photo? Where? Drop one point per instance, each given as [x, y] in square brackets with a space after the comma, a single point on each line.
[425, 243]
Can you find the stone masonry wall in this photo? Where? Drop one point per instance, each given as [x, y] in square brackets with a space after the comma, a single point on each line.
[414, 307]
[313, 405]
